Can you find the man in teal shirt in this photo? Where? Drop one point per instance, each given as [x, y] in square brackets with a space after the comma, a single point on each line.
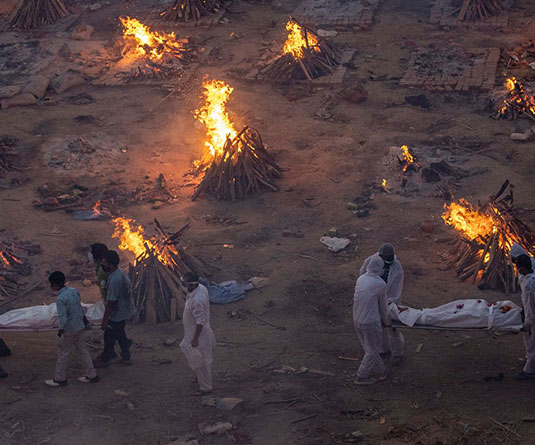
[98, 250]
[71, 332]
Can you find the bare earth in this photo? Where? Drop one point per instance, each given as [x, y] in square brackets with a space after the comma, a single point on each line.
[303, 318]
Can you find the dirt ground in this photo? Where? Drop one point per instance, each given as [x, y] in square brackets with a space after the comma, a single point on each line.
[303, 318]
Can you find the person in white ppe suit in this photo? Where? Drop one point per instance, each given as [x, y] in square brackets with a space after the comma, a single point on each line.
[517, 250]
[392, 275]
[370, 314]
[527, 284]
[199, 339]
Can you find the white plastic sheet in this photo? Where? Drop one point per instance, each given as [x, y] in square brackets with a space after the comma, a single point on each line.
[475, 314]
[44, 317]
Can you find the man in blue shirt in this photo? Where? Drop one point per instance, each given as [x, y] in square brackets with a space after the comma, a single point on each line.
[71, 332]
[119, 308]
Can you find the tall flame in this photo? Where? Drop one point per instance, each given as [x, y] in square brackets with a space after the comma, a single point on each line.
[407, 157]
[149, 43]
[299, 40]
[470, 222]
[518, 96]
[214, 116]
[131, 238]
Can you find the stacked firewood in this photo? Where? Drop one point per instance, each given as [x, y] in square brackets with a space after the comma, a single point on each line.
[516, 102]
[155, 278]
[14, 264]
[487, 258]
[243, 168]
[6, 154]
[187, 10]
[34, 13]
[469, 10]
[318, 60]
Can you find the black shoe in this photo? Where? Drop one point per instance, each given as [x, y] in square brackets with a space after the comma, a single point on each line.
[85, 379]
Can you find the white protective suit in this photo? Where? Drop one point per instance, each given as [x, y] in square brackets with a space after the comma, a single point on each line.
[200, 358]
[370, 307]
[393, 339]
[527, 285]
[517, 250]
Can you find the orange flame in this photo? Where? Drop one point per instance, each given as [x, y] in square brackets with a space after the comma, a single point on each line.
[517, 96]
[214, 116]
[299, 40]
[96, 207]
[132, 239]
[470, 222]
[383, 183]
[149, 43]
[407, 157]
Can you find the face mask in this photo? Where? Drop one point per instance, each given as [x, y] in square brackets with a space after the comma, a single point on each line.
[90, 257]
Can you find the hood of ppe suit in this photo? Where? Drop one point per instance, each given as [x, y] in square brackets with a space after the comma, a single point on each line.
[517, 250]
[376, 265]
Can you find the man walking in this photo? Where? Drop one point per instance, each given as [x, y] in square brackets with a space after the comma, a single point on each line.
[71, 332]
[370, 314]
[199, 339]
[392, 275]
[119, 309]
[96, 255]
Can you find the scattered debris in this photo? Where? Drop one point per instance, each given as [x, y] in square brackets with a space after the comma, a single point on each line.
[335, 244]
[216, 428]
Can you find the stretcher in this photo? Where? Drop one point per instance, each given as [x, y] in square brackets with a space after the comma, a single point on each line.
[44, 317]
[460, 315]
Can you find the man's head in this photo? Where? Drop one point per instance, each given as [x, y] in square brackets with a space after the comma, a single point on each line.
[190, 280]
[375, 266]
[110, 261]
[386, 252]
[523, 264]
[98, 250]
[57, 280]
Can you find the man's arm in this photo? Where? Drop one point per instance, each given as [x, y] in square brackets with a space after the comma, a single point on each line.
[195, 340]
[110, 307]
[111, 301]
[383, 308]
[62, 316]
[396, 288]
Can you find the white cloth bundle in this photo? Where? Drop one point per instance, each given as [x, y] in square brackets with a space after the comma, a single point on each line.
[502, 315]
[44, 317]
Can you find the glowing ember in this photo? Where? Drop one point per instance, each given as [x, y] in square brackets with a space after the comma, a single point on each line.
[142, 42]
[214, 116]
[517, 100]
[407, 158]
[132, 238]
[299, 40]
[97, 207]
[383, 183]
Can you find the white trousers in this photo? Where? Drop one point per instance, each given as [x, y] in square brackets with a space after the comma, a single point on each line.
[65, 343]
[204, 378]
[371, 339]
[529, 344]
[393, 341]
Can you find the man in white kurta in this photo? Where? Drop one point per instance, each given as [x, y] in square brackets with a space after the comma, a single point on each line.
[527, 284]
[392, 275]
[199, 339]
[370, 314]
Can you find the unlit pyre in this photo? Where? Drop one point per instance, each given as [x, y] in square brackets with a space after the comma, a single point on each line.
[305, 56]
[188, 10]
[14, 263]
[483, 252]
[155, 274]
[515, 101]
[34, 13]
[470, 10]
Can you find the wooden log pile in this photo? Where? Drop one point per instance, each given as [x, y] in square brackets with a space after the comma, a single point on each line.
[471, 10]
[190, 10]
[155, 278]
[318, 60]
[487, 259]
[14, 264]
[35, 13]
[243, 168]
[7, 156]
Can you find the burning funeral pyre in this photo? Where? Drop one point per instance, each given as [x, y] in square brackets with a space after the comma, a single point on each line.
[471, 10]
[14, 263]
[427, 173]
[236, 164]
[515, 101]
[34, 13]
[188, 10]
[488, 232]
[150, 54]
[155, 274]
[305, 56]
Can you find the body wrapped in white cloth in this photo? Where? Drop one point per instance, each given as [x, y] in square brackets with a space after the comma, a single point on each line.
[44, 317]
[470, 314]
